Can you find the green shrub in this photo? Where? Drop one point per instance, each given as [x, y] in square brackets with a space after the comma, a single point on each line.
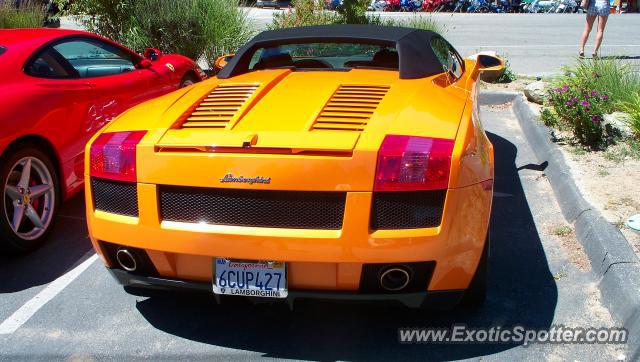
[353, 12]
[609, 76]
[549, 117]
[632, 107]
[195, 28]
[27, 15]
[590, 89]
[303, 13]
[424, 22]
[581, 109]
[508, 76]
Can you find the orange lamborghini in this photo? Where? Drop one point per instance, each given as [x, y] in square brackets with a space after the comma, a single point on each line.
[330, 162]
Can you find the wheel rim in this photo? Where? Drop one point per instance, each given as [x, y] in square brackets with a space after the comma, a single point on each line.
[29, 198]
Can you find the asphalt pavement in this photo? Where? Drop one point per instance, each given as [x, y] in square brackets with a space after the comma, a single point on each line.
[536, 279]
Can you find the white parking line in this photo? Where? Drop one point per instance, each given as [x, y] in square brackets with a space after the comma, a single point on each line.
[22, 315]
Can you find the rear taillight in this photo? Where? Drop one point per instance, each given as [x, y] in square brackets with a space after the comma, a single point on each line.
[407, 163]
[113, 155]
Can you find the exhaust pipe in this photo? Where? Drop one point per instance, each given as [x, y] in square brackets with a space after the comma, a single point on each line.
[127, 260]
[394, 279]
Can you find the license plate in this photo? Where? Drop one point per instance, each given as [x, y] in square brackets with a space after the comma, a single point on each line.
[250, 278]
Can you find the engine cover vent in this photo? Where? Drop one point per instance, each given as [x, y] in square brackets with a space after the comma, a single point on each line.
[350, 107]
[220, 107]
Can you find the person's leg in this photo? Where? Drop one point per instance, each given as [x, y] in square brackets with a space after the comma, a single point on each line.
[587, 29]
[602, 22]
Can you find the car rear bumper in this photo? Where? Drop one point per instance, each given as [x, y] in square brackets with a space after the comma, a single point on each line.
[438, 300]
[318, 259]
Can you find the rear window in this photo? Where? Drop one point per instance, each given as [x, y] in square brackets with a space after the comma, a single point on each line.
[325, 56]
[2, 49]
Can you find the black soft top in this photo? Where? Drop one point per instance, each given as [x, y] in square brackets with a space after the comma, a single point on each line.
[416, 56]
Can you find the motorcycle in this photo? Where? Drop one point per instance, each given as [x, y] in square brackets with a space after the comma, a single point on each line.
[377, 5]
[410, 5]
[541, 6]
[461, 6]
[567, 6]
[447, 6]
[392, 5]
[431, 5]
[481, 6]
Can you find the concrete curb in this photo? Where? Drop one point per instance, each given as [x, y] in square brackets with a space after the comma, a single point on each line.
[612, 258]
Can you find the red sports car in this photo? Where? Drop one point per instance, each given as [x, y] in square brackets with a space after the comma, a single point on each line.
[58, 88]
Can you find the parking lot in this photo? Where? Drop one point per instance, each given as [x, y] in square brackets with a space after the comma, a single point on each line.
[536, 279]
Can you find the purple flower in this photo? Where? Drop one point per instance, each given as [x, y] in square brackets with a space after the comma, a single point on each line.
[575, 99]
[559, 90]
[565, 87]
[595, 119]
[584, 103]
[604, 97]
[570, 104]
[594, 93]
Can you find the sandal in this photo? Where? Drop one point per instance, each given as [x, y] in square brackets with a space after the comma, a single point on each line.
[581, 54]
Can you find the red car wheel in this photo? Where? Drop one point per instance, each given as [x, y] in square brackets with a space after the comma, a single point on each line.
[31, 197]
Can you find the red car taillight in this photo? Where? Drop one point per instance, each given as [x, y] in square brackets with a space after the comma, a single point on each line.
[408, 163]
[113, 155]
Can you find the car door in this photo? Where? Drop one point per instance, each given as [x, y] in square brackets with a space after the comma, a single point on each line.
[163, 77]
[60, 102]
[112, 72]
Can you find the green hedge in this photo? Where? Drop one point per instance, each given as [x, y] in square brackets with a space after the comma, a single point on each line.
[27, 15]
[195, 28]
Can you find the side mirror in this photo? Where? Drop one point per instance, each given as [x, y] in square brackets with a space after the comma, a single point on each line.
[489, 61]
[145, 64]
[222, 61]
[491, 66]
[152, 54]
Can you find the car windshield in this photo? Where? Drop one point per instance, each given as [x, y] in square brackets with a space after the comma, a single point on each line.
[2, 49]
[325, 56]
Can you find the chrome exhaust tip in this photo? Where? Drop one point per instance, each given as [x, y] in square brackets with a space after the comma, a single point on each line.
[127, 260]
[394, 279]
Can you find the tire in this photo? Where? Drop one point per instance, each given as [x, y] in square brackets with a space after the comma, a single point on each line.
[39, 201]
[476, 293]
[187, 80]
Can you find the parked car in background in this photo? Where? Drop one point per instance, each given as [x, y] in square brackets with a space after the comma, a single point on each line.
[344, 161]
[273, 3]
[58, 88]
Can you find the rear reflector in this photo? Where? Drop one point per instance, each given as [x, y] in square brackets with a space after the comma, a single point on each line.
[407, 163]
[113, 155]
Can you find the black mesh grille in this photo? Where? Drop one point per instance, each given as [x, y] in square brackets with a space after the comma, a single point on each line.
[407, 210]
[115, 197]
[284, 209]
